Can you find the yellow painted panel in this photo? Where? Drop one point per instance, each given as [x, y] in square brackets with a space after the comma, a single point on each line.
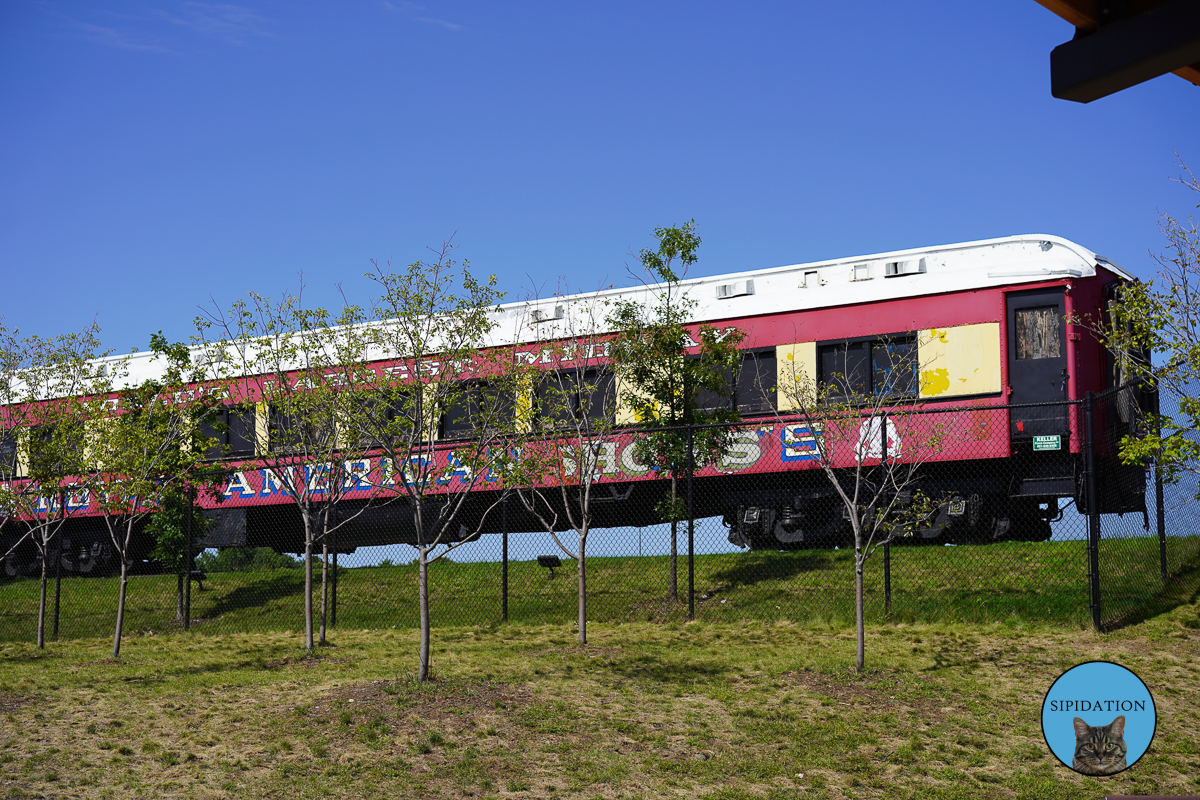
[795, 374]
[22, 452]
[625, 413]
[95, 432]
[961, 360]
[262, 430]
[526, 410]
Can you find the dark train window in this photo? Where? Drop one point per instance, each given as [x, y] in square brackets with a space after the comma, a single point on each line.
[894, 366]
[844, 368]
[478, 405]
[861, 368]
[290, 433]
[1038, 333]
[751, 391]
[755, 389]
[377, 420]
[8, 455]
[232, 428]
[396, 412]
[564, 398]
[53, 444]
[709, 400]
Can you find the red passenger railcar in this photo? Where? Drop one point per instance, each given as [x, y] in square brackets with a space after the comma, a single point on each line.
[997, 327]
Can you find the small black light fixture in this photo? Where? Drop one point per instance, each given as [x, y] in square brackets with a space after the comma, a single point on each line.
[549, 562]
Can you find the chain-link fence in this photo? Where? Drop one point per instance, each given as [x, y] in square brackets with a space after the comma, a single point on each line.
[987, 523]
[1136, 549]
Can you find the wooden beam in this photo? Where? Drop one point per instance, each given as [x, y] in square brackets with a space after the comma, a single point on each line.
[1126, 52]
[1080, 13]
[1191, 73]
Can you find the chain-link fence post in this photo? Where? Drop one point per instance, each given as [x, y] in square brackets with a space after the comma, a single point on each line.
[504, 559]
[1089, 466]
[887, 544]
[691, 528]
[58, 551]
[187, 558]
[1160, 519]
[62, 509]
[1160, 516]
[333, 583]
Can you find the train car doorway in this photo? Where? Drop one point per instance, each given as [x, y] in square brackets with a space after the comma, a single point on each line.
[1037, 362]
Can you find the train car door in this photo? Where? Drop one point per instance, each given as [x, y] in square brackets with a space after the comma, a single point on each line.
[1037, 362]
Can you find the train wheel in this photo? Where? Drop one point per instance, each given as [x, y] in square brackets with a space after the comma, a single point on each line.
[14, 568]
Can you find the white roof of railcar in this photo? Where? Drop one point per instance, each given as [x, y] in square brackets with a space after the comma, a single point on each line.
[798, 287]
[845, 281]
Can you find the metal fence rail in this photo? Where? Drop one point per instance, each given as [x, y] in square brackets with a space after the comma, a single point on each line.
[1100, 557]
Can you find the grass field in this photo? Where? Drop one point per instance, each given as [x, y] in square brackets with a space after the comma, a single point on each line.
[710, 710]
[1044, 582]
[1028, 581]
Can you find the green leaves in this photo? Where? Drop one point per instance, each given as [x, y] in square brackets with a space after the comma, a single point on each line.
[49, 389]
[1160, 317]
[432, 321]
[169, 528]
[666, 364]
[674, 244]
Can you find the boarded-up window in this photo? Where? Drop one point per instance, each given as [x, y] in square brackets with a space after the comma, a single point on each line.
[1038, 333]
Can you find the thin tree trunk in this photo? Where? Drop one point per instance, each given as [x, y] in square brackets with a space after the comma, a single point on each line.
[41, 622]
[324, 588]
[308, 585]
[179, 597]
[583, 588]
[673, 589]
[422, 590]
[423, 601]
[860, 632]
[121, 606]
[123, 554]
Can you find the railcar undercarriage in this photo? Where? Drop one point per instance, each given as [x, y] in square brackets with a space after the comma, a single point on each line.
[1016, 499]
[1012, 504]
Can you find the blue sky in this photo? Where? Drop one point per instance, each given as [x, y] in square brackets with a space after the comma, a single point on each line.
[154, 154]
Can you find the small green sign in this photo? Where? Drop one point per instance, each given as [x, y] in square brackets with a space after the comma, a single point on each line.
[1047, 443]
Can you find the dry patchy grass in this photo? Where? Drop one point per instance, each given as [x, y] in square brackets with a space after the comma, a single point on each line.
[717, 711]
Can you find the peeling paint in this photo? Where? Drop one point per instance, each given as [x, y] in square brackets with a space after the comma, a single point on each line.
[935, 381]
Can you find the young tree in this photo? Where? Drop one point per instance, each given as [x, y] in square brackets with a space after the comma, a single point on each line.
[42, 383]
[870, 445]
[169, 527]
[1160, 316]
[142, 443]
[666, 373]
[430, 324]
[300, 364]
[565, 432]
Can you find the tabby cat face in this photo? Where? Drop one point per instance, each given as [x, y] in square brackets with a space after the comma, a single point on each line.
[1099, 750]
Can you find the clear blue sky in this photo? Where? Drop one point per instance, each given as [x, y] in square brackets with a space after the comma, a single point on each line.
[155, 153]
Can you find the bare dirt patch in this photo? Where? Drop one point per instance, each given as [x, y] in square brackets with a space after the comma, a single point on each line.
[11, 702]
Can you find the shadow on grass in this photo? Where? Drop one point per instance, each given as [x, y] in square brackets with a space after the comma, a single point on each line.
[1181, 589]
[757, 568]
[254, 594]
[655, 670]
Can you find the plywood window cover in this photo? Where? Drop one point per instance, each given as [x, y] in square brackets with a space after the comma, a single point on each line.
[1038, 333]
